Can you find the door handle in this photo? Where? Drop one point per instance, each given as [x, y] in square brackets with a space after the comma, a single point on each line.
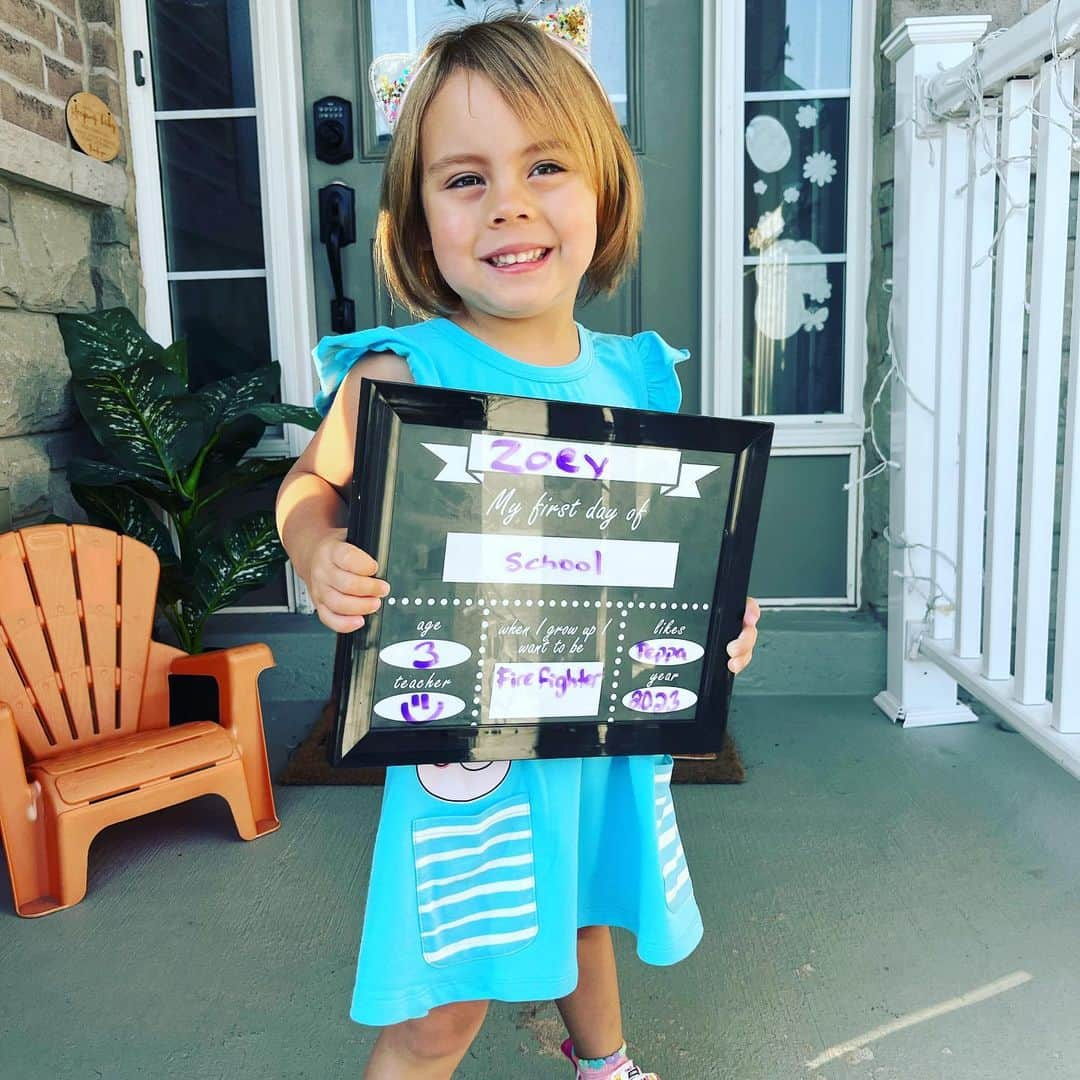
[337, 229]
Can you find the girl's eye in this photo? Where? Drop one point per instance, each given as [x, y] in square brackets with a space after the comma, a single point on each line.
[549, 168]
[469, 180]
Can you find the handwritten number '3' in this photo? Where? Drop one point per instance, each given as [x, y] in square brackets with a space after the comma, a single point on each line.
[432, 657]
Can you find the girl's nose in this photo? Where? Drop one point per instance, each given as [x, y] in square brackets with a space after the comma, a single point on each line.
[502, 218]
[510, 202]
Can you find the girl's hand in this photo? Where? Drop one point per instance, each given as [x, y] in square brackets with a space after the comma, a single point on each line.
[343, 583]
[742, 648]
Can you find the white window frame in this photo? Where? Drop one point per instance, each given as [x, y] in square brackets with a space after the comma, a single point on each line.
[723, 262]
[286, 219]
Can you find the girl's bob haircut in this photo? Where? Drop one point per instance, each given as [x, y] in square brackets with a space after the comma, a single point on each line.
[549, 90]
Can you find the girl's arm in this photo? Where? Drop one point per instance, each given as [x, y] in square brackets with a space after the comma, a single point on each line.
[312, 509]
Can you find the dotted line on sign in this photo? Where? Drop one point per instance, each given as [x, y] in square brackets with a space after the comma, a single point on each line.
[431, 601]
[616, 664]
[481, 651]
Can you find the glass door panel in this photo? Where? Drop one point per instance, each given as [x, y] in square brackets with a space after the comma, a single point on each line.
[798, 44]
[404, 25]
[795, 184]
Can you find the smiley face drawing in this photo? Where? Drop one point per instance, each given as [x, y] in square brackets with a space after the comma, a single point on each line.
[464, 781]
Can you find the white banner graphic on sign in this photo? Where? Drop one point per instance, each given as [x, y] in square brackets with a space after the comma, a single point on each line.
[521, 456]
[496, 558]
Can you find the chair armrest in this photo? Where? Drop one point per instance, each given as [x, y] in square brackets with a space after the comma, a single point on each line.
[236, 671]
[17, 795]
[231, 663]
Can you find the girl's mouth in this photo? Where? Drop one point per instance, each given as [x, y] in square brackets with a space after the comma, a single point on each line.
[521, 262]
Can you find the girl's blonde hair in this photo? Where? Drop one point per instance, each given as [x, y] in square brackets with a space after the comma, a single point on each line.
[549, 90]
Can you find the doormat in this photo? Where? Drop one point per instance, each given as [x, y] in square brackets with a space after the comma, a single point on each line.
[308, 763]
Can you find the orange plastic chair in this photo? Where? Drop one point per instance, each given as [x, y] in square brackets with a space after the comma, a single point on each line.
[85, 739]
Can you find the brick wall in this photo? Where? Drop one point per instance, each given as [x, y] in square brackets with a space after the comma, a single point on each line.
[67, 233]
[51, 49]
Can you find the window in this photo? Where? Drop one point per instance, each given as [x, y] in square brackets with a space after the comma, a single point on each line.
[795, 187]
[208, 152]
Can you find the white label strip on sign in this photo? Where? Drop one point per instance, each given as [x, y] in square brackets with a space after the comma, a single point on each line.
[519, 691]
[554, 560]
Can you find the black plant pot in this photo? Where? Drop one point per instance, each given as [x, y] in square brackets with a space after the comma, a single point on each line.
[193, 697]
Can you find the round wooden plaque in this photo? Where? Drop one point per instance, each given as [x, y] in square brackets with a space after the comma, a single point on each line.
[93, 126]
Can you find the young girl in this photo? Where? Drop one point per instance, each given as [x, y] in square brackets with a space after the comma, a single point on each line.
[509, 192]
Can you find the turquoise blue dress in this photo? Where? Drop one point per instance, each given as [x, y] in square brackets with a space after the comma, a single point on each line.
[482, 873]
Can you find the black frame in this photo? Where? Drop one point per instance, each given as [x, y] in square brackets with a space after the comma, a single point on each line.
[384, 408]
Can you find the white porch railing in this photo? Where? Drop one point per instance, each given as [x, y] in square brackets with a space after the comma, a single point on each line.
[978, 402]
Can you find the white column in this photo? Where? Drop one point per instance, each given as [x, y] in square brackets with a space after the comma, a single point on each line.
[918, 692]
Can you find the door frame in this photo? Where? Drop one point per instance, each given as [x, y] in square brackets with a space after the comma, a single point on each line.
[283, 185]
[723, 67]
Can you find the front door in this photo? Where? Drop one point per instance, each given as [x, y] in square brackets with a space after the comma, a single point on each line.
[650, 62]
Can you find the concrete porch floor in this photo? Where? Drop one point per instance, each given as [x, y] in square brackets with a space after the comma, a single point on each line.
[863, 873]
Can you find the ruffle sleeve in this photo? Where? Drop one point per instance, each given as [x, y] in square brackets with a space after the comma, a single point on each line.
[335, 355]
[658, 360]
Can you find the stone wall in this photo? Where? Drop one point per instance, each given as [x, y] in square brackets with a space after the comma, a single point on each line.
[891, 13]
[67, 233]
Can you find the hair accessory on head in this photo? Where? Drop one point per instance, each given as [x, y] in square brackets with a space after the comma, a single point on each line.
[391, 74]
[571, 26]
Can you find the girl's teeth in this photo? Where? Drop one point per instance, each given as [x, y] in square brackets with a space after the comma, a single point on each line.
[523, 256]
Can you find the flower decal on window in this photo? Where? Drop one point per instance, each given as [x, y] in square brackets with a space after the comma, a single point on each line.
[791, 289]
[791, 194]
[819, 168]
[768, 228]
[807, 116]
[760, 187]
[820, 289]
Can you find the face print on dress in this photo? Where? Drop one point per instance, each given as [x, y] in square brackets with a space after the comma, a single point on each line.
[464, 781]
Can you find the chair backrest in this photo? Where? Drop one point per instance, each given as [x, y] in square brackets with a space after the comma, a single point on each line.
[76, 614]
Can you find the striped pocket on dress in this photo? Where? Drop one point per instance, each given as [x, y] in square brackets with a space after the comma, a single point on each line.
[475, 883]
[673, 866]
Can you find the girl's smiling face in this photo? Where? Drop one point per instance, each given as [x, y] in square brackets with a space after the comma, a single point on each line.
[511, 216]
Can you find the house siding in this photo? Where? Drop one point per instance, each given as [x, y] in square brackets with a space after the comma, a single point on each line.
[67, 234]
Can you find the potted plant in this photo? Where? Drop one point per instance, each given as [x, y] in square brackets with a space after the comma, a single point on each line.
[173, 457]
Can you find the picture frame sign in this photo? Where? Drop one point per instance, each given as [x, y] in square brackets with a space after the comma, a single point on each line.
[564, 577]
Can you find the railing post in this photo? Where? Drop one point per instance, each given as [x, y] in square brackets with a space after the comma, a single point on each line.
[918, 692]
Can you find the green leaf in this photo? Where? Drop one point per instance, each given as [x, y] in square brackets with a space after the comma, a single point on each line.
[175, 359]
[248, 474]
[288, 414]
[119, 509]
[173, 586]
[243, 557]
[234, 441]
[107, 343]
[143, 417]
[228, 399]
[89, 473]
